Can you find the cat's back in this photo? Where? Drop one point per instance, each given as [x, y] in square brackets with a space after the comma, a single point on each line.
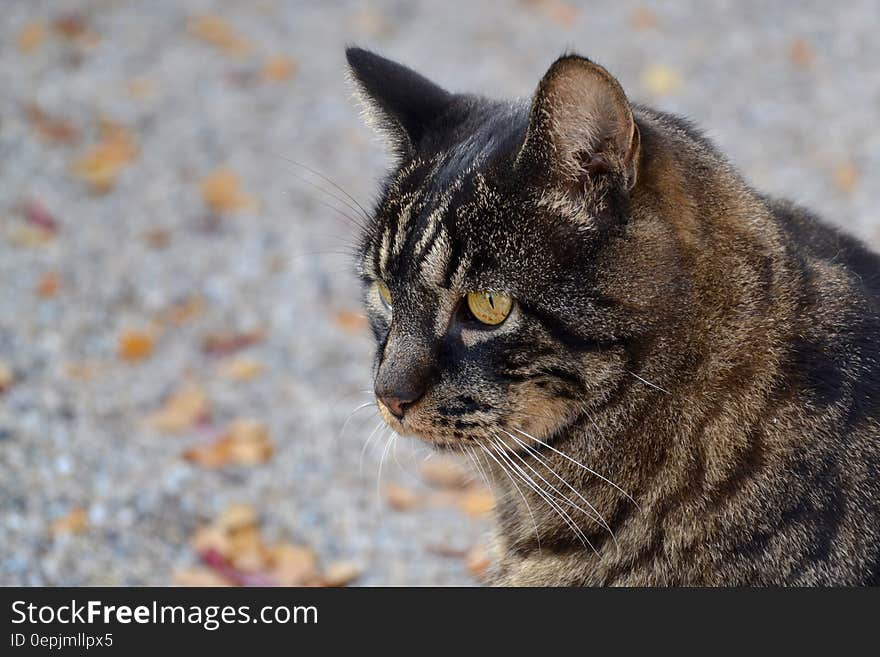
[811, 239]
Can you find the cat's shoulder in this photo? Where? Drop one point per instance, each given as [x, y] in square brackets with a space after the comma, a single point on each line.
[814, 238]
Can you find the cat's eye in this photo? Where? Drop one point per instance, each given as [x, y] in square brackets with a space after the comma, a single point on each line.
[488, 307]
[384, 293]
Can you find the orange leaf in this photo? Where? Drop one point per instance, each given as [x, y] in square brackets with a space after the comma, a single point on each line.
[30, 38]
[7, 377]
[661, 80]
[400, 498]
[183, 311]
[73, 523]
[241, 369]
[846, 176]
[245, 442]
[477, 502]
[101, 164]
[279, 69]
[294, 565]
[215, 31]
[643, 18]
[350, 321]
[478, 561]
[341, 573]
[221, 193]
[181, 410]
[445, 473]
[49, 128]
[562, 12]
[48, 285]
[135, 345]
[801, 53]
[213, 538]
[199, 576]
[237, 516]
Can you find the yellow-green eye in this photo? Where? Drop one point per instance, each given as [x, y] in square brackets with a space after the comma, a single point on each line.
[384, 292]
[488, 307]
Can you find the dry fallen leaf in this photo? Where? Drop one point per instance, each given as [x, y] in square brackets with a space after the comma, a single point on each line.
[183, 311]
[643, 18]
[48, 284]
[478, 502]
[211, 537]
[158, 238]
[221, 192]
[661, 80]
[233, 553]
[245, 442]
[241, 369]
[101, 164]
[7, 377]
[341, 573]
[801, 53]
[28, 237]
[846, 176]
[445, 473]
[199, 576]
[135, 345]
[372, 23]
[478, 561]
[49, 128]
[182, 410]
[85, 371]
[39, 217]
[279, 69]
[400, 498]
[74, 522]
[293, 565]
[141, 88]
[215, 31]
[30, 38]
[237, 516]
[563, 13]
[246, 550]
[74, 28]
[222, 344]
[350, 321]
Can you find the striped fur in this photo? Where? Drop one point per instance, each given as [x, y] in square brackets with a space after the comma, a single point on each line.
[712, 352]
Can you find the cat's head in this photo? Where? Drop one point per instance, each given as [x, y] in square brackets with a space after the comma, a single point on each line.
[490, 268]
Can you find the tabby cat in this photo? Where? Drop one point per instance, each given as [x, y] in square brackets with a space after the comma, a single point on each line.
[669, 378]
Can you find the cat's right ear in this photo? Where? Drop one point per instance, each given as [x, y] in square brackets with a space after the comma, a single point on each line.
[396, 100]
[581, 126]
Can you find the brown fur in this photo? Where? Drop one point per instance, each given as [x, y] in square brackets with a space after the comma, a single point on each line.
[687, 390]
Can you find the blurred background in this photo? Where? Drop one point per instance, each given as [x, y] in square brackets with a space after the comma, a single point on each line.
[181, 343]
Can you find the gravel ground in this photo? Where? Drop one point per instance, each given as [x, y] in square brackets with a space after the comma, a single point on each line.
[791, 93]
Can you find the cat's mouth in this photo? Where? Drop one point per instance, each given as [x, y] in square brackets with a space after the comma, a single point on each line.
[501, 434]
[409, 426]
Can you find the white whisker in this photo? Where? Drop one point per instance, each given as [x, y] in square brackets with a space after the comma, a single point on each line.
[599, 517]
[545, 495]
[648, 383]
[579, 464]
[388, 443]
[518, 490]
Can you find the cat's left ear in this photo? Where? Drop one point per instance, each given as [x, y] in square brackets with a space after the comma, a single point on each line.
[581, 125]
[398, 101]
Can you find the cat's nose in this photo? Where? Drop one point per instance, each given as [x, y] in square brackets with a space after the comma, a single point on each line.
[397, 400]
[405, 373]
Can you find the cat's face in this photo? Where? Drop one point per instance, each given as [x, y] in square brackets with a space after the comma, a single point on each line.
[481, 265]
